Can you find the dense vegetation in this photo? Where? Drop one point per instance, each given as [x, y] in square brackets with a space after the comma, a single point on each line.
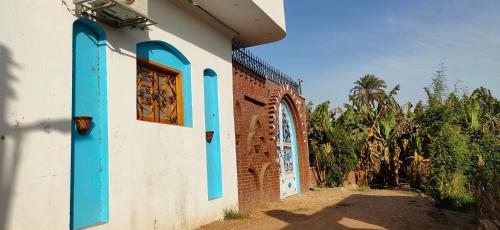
[448, 146]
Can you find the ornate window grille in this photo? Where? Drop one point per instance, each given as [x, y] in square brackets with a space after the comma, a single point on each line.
[159, 93]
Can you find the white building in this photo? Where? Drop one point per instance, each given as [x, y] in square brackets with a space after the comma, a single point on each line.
[160, 149]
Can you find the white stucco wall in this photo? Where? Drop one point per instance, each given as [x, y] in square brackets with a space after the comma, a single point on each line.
[157, 173]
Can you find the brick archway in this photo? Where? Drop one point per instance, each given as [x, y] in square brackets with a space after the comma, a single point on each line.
[297, 106]
[285, 93]
[256, 102]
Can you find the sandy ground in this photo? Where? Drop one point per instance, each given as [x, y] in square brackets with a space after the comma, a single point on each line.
[340, 208]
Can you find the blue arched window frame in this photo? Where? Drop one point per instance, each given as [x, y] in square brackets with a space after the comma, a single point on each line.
[167, 55]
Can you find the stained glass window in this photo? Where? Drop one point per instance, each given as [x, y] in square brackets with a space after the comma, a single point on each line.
[159, 93]
[284, 140]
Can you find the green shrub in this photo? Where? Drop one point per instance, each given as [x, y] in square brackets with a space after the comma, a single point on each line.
[452, 159]
[333, 148]
[457, 202]
[487, 178]
[230, 214]
[336, 158]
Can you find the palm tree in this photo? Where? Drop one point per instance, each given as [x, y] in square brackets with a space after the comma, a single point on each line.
[368, 90]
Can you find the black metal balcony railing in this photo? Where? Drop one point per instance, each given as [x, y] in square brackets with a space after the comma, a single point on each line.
[253, 63]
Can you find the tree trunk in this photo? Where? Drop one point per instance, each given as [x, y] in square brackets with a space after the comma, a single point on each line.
[395, 164]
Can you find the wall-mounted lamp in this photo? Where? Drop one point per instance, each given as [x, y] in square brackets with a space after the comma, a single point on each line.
[209, 135]
[83, 124]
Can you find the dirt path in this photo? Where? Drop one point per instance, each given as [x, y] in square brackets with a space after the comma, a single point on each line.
[350, 209]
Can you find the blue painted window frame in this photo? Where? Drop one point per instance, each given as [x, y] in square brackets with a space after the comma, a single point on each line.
[167, 55]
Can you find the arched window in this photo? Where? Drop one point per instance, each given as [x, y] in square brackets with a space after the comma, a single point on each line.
[287, 152]
[163, 84]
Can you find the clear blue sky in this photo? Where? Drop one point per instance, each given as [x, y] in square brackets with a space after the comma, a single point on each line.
[332, 43]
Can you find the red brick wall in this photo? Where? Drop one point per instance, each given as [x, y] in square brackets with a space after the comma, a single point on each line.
[256, 101]
[313, 177]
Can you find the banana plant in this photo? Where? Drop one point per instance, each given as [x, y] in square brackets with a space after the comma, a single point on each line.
[472, 109]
